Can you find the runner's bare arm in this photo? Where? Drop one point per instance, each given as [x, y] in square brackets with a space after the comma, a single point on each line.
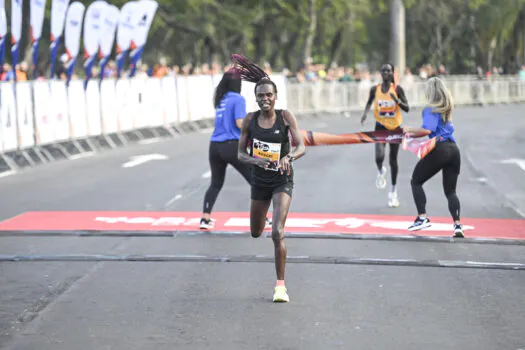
[300, 148]
[242, 154]
[371, 97]
[401, 99]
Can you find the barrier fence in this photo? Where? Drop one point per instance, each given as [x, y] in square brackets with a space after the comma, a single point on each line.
[44, 120]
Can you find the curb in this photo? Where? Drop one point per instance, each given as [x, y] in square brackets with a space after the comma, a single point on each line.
[18, 160]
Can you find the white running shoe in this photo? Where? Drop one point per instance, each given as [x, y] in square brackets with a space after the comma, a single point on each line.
[458, 231]
[381, 178]
[206, 224]
[393, 200]
[419, 224]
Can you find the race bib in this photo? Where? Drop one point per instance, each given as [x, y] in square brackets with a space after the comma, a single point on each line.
[387, 108]
[267, 150]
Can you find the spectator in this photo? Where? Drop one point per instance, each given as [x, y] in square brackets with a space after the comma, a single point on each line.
[521, 73]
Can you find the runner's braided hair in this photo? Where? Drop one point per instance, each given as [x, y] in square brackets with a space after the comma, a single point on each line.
[250, 72]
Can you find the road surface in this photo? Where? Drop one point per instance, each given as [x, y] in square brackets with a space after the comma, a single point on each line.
[221, 304]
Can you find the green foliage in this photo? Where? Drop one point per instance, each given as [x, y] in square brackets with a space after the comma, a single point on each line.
[457, 33]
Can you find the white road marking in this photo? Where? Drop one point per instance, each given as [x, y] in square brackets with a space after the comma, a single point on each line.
[517, 161]
[206, 175]
[481, 179]
[138, 160]
[81, 155]
[206, 130]
[7, 173]
[173, 200]
[149, 141]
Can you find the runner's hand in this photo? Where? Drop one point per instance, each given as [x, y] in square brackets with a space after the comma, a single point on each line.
[263, 163]
[284, 165]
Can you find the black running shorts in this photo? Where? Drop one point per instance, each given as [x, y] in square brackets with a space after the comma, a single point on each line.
[265, 193]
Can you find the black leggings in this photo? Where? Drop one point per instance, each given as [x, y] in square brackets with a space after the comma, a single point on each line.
[220, 155]
[444, 157]
[392, 157]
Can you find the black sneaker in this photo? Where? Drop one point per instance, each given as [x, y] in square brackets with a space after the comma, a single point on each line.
[268, 223]
[419, 224]
[206, 224]
[458, 231]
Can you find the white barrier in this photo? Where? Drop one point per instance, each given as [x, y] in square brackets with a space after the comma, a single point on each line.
[44, 113]
[351, 96]
[40, 113]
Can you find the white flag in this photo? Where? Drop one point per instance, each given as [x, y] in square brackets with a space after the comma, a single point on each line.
[143, 18]
[3, 20]
[126, 26]
[74, 17]
[58, 16]
[92, 27]
[37, 10]
[109, 27]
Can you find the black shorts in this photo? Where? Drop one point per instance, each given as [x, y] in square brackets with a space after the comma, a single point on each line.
[260, 193]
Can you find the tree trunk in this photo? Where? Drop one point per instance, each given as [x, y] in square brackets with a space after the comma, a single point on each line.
[341, 38]
[397, 43]
[490, 54]
[311, 29]
[439, 44]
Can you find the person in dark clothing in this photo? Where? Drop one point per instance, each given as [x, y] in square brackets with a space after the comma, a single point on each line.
[445, 157]
[230, 110]
[268, 132]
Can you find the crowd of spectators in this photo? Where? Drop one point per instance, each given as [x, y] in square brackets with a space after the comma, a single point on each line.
[309, 72]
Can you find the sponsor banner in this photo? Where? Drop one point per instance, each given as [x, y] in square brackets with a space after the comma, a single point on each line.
[93, 21]
[75, 15]
[58, 111]
[77, 116]
[8, 130]
[125, 30]
[24, 110]
[44, 124]
[126, 106]
[151, 103]
[318, 223]
[169, 101]
[183, 98]
[36, 11]
[3, 32]
[143, 17]
[109, 27]
[94, 120]
[16, 30]
[108, 106]
[58, 17]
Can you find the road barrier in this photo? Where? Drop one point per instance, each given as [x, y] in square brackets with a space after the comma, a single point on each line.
[42, 121]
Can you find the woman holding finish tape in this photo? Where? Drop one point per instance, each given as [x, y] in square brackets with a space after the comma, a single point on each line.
[445, 157]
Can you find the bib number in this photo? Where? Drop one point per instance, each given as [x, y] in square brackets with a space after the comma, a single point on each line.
[387, 108]
[267, 150]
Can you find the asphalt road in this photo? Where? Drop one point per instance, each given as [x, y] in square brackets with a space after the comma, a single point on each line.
[227, 305]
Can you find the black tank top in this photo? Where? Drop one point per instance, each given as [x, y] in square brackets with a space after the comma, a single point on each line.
[272, 143]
